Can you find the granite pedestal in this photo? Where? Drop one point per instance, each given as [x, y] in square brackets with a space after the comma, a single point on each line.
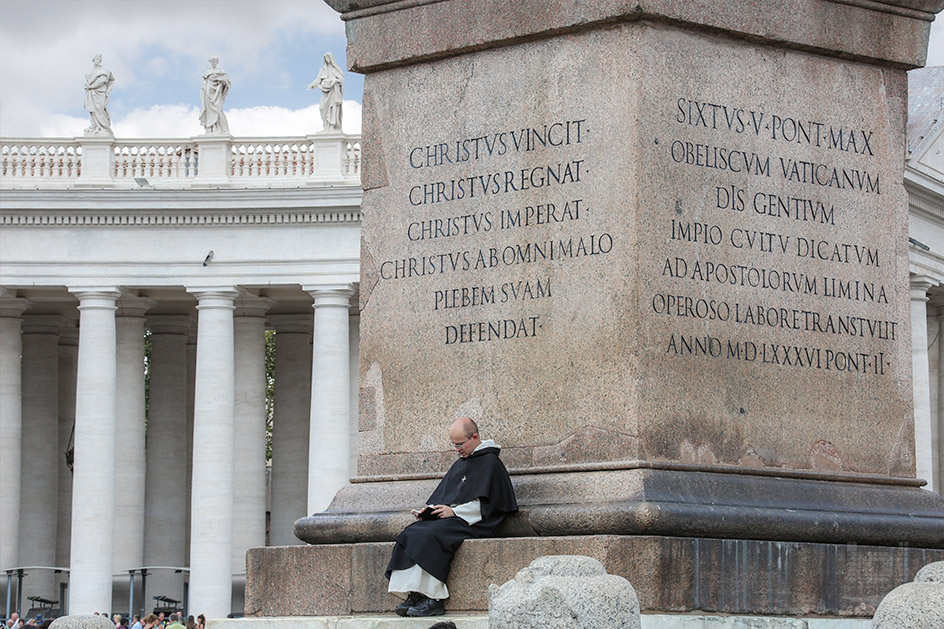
[658, 249]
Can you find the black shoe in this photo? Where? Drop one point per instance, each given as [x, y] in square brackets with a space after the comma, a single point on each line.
[412, 599]
[427, 607]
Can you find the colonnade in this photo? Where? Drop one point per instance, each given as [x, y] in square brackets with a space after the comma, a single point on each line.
[927, 352]
[125, 503]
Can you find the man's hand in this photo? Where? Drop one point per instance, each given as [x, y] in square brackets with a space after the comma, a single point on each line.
[437, 511]
[443, 511]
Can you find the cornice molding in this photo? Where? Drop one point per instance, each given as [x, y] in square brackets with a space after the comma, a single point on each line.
[270, 206]
[926, 206]
[69, 199]
[181, 218]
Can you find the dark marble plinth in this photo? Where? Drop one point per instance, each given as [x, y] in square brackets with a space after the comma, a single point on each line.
[646, 501]
[669, 574]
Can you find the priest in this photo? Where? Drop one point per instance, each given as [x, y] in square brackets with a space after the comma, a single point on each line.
[472, 500]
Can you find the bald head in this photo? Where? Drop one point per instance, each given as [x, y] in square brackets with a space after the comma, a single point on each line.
[467, 426]
[464, 435]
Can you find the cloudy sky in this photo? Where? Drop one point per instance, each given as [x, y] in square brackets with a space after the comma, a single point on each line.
[158, 51]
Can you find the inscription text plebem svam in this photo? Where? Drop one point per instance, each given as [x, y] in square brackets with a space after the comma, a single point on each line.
[485, 208]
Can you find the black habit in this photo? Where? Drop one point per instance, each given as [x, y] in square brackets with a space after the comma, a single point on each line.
[432, 543]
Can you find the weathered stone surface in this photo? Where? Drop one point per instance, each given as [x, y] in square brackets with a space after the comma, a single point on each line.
[669, 574]
[82, 622]
[633, 235]
[287, 581]
[480, 621]
[563, 592]
[916, 605]
[912, 606]
[389, 621]
[375, 36]
[931, 573]
[688, 297]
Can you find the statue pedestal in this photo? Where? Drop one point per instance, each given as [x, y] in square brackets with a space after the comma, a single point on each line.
[330, 149]
[215, 160]
[98, 161]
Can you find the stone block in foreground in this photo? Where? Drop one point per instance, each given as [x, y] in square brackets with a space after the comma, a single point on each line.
[915, 605]
[563, 592]
[82, 621]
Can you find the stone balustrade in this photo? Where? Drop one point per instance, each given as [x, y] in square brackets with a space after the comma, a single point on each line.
[179, 163]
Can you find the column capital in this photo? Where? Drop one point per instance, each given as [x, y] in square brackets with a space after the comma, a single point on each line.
[936, 301]
[222, 289]
[331, 295]
[10, 305]
[134, 306]
[170, 324]
[42, 324]
[249, 305]
[919, 287]
[292, 323]
[214, 296]
[96, 296]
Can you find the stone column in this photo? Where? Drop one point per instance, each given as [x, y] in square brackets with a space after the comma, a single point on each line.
[211, 528]
[249, 415]
[355, 353]
[93, 480]
[922, 387]
[191, 375]
[330, 431]
[39, 476]
[68, 362]
[11, 425]
[937, 445]
[165, 525]
[290, 425]
[129, 434]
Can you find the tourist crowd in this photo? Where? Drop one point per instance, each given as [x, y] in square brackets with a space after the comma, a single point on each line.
[152, 621]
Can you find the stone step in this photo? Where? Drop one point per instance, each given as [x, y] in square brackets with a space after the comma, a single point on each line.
[480, 621]
[360, 621]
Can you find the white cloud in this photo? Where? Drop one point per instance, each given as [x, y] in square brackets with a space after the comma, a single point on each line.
[62, 126]
[182, 121]
[278, 121]
[160, 121]
[46, 48]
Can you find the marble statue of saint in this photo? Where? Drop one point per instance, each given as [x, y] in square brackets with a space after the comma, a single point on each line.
[98, 84]
[216, 86]
[330, 81]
